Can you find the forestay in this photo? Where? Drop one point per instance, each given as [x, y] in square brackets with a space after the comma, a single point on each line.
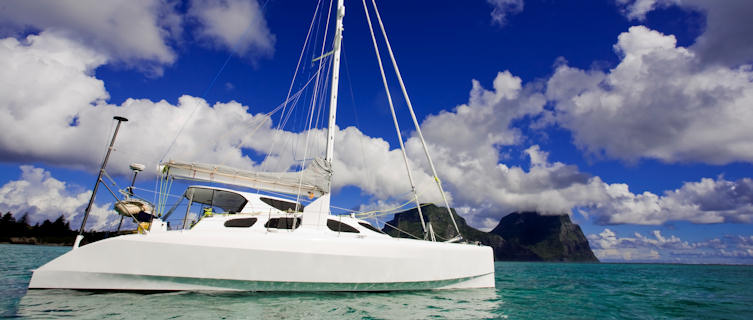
[313, 181]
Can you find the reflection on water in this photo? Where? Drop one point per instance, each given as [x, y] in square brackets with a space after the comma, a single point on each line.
[447, 304]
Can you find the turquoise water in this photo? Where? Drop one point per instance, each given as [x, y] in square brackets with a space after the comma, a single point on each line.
[524, 291]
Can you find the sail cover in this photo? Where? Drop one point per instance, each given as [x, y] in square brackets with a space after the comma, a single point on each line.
[313, 180]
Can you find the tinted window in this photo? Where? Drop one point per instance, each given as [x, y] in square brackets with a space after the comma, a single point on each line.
[338, 226]
[240, 223]
[370, 227]
[225, 200]
[282, 223]
[281, 205]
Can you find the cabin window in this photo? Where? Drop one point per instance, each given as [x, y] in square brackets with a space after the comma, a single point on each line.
[370, 227]
[338, 226]
[282, 205]
[240, 223]
[283, 223]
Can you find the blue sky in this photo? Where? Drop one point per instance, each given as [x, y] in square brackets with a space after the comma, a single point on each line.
[632, 115]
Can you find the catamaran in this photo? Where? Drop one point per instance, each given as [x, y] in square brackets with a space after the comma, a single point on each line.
[256, 241]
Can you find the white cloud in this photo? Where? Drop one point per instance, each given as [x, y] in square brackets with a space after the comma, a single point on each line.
[705, 201]
[142, 34]
[43, 197]
[501, 9]
[135, 32]
[608, 246]
[55, 111]
[236, 25]
[637, 9]
[57, 114]
[377, 170]
[41, 127]
[726, 38]
[466, 143]
[659, 102]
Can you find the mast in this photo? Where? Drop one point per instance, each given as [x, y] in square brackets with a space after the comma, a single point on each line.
[335, 80]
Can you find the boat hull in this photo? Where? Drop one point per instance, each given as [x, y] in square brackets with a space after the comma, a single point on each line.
[275, 261]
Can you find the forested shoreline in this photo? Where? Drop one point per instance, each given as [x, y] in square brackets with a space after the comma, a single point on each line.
[57, 232]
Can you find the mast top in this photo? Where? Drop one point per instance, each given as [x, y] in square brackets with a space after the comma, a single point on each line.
[335, 80]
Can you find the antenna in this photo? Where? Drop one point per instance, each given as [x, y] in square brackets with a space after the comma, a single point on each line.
[136, 168]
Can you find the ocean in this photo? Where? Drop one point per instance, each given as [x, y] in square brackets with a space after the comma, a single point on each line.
[523, 291]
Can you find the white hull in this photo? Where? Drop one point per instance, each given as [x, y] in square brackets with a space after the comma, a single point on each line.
[250, 245]
[304, 260]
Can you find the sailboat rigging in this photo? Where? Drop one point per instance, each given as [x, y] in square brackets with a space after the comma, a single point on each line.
[260, 242]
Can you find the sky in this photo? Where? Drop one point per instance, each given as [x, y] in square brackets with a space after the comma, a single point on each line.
[633, 116]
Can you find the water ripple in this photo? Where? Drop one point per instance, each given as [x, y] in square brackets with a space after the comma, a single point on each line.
[524, 291]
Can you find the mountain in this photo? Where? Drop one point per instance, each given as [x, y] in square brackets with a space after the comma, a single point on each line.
[443, 229]
[537, 238]
[552, 238]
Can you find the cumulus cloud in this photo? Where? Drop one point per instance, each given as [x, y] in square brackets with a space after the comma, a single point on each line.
[57, 114]
[728, 30]
[135, 32]
[637, 9]
[706, 201]
[659, 102]
[376, 169]
[608, 246]
[43, 197]
[501, 9]
[236, 25]
[67, 123]
[142, 34]
[467, 144]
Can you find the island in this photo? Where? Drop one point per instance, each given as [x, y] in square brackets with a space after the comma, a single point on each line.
[519, 236]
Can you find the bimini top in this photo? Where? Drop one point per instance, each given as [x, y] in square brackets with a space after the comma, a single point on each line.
[314, 180]
[224, 199]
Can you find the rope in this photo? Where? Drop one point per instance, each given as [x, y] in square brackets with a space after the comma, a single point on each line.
[353, 106]
[209, 87]
[112, 181]
[383, 212]
[394, 118]
[290, 89]
[268, 115]
[151, 191]
[386, 211]
[400, 230]
[165, 185]
[413, 116]
[159, 184]
[311, 111]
